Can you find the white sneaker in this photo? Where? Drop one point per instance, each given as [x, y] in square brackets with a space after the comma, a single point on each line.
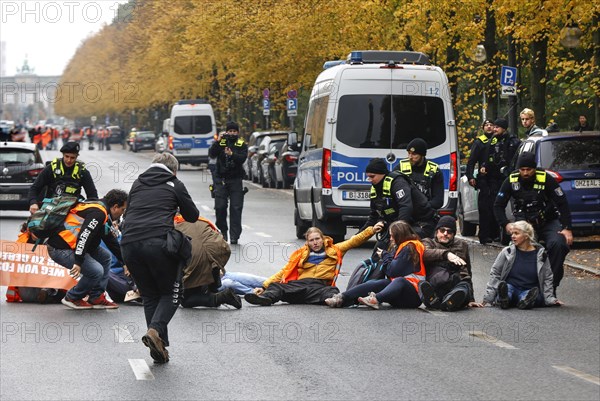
[371, 301]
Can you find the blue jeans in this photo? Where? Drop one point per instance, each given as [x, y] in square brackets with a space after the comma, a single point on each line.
[241, 283]
[94, 271]
[515, 294]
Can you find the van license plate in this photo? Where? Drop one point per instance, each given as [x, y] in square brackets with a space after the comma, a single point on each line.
[182, 151]
[582, 184]
[356, 195]
[10, 197]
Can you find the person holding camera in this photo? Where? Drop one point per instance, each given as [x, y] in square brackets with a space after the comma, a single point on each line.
[491, 151]
[536, 196]
[231, 152]
[394, 197]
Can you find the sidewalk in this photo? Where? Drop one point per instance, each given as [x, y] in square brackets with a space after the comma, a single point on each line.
[587, 260]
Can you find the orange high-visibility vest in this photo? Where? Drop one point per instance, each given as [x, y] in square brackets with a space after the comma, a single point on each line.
[417, 277]
[73, 222]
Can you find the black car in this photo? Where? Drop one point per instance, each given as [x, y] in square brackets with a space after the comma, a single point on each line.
[114, 134]
[286, 165]
[143, 140]
[20, 164]
[257, 150]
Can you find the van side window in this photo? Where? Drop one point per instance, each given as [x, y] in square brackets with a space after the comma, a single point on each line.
[315, 121]
[193, 125]
[365, 121]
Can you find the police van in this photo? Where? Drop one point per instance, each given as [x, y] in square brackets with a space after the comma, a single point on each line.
[192, 128]
[370, 105]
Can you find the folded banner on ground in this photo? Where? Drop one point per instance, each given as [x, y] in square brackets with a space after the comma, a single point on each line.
[22, 267]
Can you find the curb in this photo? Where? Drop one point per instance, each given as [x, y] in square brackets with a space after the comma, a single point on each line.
[568, 263]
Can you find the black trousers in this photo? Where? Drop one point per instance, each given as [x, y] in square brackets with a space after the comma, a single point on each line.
[199, 296]
[229, 190]
[488, 189]
[556, 246]
[155, 273]
[307, 291]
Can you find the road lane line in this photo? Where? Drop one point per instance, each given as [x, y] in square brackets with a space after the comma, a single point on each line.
[434, 312]
[122, 335]
[492, 340]
[585, 376]
[140, 369]
[206, 208]
[260, 234]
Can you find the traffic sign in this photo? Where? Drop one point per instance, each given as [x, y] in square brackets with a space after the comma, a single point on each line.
[93, 118]
[508, 76]
[292, 93]
[266, 107]
[266, 93]
[292, 107]
[508, 91]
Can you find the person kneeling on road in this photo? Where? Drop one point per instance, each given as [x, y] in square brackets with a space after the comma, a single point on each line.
[310, 274]
[77, 247]
[448, 266]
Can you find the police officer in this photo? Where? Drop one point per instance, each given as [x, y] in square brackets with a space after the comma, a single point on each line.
[491, 151]
[426, 174]
[393, 197]
[231, 152]
[63, 176]
[536, 196]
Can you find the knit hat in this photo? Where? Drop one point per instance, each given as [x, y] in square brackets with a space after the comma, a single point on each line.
[70, 147]
[377, 166]
[231, 125]
[447, 222]
[501, 122]
[418, 146]
[526, 159]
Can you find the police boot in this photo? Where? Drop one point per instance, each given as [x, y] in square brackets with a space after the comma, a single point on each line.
[227, 296]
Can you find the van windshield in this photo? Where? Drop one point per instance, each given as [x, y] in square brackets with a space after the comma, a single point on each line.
[193, 125]
[366, 121]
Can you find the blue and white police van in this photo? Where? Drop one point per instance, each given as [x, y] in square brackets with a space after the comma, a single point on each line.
[192, 130]
[370, 105]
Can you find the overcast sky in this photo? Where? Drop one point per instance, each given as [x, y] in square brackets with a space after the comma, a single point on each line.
[49, 32]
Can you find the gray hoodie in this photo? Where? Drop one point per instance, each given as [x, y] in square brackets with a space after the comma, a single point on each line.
[503, 265]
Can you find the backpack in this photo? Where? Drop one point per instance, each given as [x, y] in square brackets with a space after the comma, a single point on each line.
[51, 216]
[367, 270]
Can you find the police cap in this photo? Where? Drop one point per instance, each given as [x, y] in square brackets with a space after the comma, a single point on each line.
[70, 147]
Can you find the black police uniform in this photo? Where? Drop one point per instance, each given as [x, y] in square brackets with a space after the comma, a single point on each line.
[535, 201]
[428, 178]
[57, 179]
[493, 153]
[227, 184]
[395, 198]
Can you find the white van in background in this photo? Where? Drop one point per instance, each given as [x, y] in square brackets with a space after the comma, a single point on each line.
[370, 105]
[192, 128]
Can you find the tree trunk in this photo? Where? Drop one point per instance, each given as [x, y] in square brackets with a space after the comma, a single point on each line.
[539, 52]
[491, 48]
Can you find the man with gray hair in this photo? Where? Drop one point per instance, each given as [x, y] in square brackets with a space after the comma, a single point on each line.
[155, 197]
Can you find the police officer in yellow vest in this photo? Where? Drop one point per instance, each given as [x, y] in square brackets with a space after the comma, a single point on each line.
[491, 151]
[63, 176]
[394, 197]
[426, 174]
[536, 196]
[231, 152]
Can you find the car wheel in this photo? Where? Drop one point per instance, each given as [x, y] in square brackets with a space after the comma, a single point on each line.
[467, 229]
[301, 225]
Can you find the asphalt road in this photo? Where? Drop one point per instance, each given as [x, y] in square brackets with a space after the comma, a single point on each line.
[284, 351]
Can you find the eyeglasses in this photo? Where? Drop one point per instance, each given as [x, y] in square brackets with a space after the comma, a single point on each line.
[446, 230]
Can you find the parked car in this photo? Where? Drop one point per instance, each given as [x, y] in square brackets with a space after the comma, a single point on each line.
[573, 159]
[114, 134]
[253, 161]
[267, 164]
[143, 140]
[286, 165]
[20, 164]
[263, 174]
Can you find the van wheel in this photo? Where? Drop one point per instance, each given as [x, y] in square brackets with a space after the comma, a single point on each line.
[467, 229]
[301, 225]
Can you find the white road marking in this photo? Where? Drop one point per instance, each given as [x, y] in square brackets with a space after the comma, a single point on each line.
[492, 340]
[264, 235]
[122, 335]
[140, 369]
[434, 312]
[245, 227]
[585, 376]
[206, 208]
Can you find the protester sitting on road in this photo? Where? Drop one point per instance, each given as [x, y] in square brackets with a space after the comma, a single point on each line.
[448, 265]
[404, 269]
[310, 274]
[241, 283]
[521, 274]
[201, 276]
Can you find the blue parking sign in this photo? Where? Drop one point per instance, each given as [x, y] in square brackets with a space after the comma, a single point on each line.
[508, 76]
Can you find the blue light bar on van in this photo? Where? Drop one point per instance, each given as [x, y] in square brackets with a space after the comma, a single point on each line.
[333, 63]
[356, 57]
[193, 101]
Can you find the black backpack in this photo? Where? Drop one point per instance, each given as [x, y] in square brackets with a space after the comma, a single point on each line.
[51, 216]
[367, 270]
